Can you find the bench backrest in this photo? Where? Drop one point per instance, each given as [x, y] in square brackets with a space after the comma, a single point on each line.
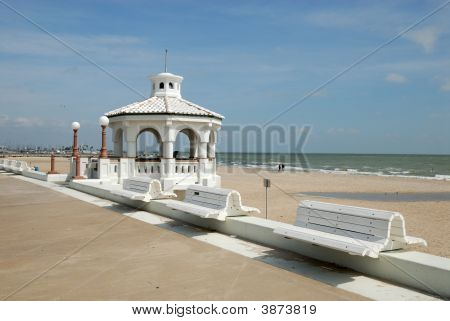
[137, 185]
[21, 165]
[14, 164]
[215, 198]
[8, 164]
[356, 222]
[212, 197]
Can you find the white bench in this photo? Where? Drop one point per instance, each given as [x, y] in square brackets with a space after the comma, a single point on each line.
[14, 166]
[7, 165]
[19, 166]
[211, 202]
[355, 230]
[142, 189]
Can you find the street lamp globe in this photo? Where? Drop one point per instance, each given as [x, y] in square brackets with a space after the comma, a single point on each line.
[75, 125]
[103, 121]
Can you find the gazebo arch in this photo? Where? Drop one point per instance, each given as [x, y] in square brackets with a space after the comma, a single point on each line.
[192, 149]
[148, 137]
[212, 144]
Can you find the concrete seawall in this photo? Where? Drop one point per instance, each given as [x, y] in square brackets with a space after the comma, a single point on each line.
[425, 272]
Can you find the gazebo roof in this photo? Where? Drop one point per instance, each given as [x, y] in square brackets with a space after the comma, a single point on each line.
[165, 99]
[163, 105]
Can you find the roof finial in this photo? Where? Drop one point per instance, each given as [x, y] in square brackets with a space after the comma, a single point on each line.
[165, 62]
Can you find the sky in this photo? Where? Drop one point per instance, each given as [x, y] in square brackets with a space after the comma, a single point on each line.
[248, 60]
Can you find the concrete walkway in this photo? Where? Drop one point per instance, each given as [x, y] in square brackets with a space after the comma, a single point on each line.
[55, 247]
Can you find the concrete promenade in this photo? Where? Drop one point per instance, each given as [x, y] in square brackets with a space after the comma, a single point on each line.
[55, 247]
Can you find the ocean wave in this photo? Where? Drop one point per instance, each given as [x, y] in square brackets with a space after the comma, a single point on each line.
[399, 172]
[351, 171]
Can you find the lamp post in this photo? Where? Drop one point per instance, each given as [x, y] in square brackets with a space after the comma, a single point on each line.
[75, 127]
[103, 121]
[75, 154]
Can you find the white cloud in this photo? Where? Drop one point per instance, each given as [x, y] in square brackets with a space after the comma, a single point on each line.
[426, 37]
[446, 86]
[412, 65]
[36, 43]
[396, 78]
[361, 19]
[3, 119]
[28, 122]
[20, 121]
[331, 19]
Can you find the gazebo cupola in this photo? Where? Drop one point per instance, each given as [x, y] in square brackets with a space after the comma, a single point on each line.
[166, 116]
[166, 84]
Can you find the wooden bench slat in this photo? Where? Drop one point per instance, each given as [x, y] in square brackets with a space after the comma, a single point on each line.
[191, 193]
[353, 210]
[214, 190]
[341, 232]
[207, 200]
[211, 203]
[346, 226]
[341, 227]
[344, 218]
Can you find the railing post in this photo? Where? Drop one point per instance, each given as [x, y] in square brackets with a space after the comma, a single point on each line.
[52, 165]
[77, 168]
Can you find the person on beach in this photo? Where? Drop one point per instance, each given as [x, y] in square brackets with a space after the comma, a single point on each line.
[279, 167]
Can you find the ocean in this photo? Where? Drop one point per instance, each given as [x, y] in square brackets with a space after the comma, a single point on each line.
[425, 166]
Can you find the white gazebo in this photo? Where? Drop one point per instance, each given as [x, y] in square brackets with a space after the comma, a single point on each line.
[164, 116]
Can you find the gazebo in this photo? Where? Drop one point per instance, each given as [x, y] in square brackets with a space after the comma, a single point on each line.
[164, 116]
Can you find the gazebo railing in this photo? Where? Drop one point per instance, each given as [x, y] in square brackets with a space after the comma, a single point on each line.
[186, 167]
[148, 168]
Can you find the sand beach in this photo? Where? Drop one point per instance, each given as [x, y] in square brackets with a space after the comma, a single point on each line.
[426, 219]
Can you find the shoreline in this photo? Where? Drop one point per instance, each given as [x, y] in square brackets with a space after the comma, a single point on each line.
[437, 177]
[272, 166]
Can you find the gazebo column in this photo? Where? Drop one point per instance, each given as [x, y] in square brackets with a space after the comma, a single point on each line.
[212, 161]
[212, 144]
[131, 148]
[132, 133]
[211, 150]
[167, 161]
[203, 162]
[168, 149]
[168, 137]
[203, 150]
[117, 141]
